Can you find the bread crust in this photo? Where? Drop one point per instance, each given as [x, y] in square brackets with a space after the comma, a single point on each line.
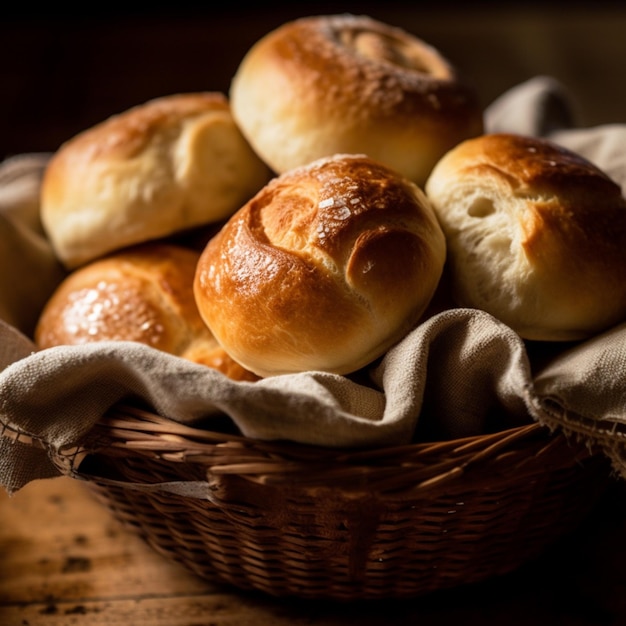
[324, 269]
[330, 84]
[143, 294]
[536, 235]
[161, 167]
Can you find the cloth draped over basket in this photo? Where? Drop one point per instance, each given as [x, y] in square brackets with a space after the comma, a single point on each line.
[448, 378]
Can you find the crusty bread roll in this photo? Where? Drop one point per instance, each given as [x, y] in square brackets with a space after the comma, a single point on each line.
[324, 269]
[164, 166]
[536, 236]
[330, 84]
[142, 294]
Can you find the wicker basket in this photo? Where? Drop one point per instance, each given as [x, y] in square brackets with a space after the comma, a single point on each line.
[294, 520]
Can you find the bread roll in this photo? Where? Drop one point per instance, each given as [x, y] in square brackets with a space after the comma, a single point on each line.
[536, 236]
[324, 269]
[331, 84]
[143, 294]
[164, 166]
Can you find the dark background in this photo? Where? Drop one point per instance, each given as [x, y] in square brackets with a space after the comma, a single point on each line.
[64, 70]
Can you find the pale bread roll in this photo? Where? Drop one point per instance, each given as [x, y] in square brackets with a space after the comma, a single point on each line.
[322, 85]
[162, 167]
[324, 269]
[536, 236]
[142, 294]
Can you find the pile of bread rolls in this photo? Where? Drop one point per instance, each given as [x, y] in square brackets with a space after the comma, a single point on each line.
[305, 221]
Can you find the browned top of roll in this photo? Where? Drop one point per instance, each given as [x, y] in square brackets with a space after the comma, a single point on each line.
[324, 268]
[536, 235]
[161, 167]
[143, 294]
[351, 84]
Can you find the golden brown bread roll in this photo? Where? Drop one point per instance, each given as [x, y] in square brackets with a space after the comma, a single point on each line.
[536, 236]
[142, 294]
[324, 269]
[330, 84]
[164, 166]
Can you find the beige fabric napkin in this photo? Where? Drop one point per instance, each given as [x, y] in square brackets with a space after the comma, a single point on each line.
[460, 373]
[28, 268]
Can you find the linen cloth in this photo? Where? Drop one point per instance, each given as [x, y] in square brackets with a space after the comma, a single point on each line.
[460, 372]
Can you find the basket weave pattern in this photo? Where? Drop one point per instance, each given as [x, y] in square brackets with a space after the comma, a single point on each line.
[302, 521]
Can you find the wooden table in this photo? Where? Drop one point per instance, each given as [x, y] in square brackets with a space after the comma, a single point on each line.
[64, 560]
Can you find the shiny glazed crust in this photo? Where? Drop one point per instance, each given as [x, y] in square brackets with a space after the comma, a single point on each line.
[536, 236]
[162, 167]
[322, 85]
[143, 294]
[324, 269]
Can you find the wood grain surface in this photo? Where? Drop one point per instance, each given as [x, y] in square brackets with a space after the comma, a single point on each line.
[64, 560]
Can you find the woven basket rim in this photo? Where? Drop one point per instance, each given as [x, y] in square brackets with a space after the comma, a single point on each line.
[131, 432]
